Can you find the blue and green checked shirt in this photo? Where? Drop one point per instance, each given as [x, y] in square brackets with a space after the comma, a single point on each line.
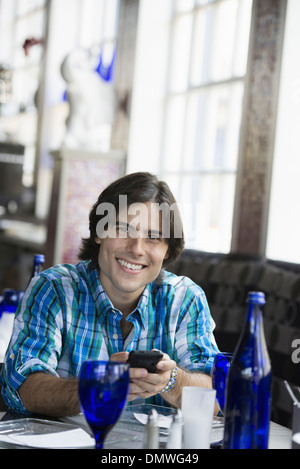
[66, 317]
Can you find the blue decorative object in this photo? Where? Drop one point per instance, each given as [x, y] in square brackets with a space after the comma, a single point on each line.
[103, 389]
[219, 376]
[106, 71]
[248, 401]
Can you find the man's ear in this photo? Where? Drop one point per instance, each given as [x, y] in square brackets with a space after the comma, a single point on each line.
[97, 240]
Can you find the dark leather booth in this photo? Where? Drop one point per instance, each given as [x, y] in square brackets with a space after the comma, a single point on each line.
[226, 280]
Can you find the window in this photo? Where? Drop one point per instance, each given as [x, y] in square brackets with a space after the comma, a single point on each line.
[191, 63]
[204, 93]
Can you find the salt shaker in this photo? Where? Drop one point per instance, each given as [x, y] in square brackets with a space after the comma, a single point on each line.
[151, 431]
[175, 434]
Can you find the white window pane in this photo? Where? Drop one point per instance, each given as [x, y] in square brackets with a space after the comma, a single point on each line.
[87, 17]
[174, 134]
[232, 123]
[25, 85]
[40, 3]
[31, 5]
[207, 145]
[95, 22]
[22, 32]
[22, 7]
[184, 5]
[200, 51]
[223, 39]
[206, 207]
[222, 127]
[174, 183]
[38, 24]
[98, 22]
[188, 202]
[212, 129]
[220, 41]
[31, 26]
[181, 40]
[111, 12]
[204, 2]
[242, 37]
[192, 130]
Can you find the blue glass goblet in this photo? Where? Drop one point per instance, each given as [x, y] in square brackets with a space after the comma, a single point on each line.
[219, 375]
[103, 390]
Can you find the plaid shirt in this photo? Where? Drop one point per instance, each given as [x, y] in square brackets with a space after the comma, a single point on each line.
[66, 317]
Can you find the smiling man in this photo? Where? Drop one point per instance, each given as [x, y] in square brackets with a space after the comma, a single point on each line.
[132, 255]
[117, 299]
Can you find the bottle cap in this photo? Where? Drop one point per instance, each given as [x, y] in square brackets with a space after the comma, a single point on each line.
[178, 417]
[256, 297]
[39, 258]
[152, 416]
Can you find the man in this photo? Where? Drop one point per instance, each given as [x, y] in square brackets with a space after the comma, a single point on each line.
[117, 299]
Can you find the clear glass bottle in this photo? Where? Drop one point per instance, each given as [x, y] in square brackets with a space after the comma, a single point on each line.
[248, 396]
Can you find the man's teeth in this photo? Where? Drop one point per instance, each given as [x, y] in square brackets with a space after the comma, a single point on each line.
[130, 266]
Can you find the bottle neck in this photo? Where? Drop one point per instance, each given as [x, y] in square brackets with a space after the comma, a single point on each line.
[254, 318]
[37, 269]
[253, 344]
[254, 327]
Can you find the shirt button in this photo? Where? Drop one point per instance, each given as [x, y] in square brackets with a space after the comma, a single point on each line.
[115, 336]
[12, 356]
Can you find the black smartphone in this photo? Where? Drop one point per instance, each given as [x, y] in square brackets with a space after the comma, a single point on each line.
[145, 359]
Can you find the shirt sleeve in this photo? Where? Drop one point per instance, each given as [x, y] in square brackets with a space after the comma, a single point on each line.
[36, 340]
[195, 345]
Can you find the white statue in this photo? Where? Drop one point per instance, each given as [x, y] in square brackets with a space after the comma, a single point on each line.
[92, 102]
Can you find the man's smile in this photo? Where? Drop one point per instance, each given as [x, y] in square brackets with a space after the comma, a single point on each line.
[130, 265]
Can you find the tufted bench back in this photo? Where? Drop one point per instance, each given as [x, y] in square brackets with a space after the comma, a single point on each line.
[226, 280]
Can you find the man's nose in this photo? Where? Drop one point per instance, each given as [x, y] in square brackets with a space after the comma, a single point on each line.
[136, 245]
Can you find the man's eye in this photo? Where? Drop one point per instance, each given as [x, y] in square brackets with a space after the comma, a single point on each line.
[154, 237]
[122, 229]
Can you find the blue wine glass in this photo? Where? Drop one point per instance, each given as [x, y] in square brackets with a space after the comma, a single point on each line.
[103, 390]
[219, 375]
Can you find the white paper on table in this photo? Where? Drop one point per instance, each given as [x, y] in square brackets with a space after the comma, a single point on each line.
[77, 438]
[163, 421]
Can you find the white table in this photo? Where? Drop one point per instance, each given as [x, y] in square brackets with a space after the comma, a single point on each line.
[280, 437]
[129, 433]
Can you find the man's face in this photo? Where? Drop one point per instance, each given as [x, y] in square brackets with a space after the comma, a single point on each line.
[132, 253]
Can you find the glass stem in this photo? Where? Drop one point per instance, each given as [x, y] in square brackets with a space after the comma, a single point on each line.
[99, 443]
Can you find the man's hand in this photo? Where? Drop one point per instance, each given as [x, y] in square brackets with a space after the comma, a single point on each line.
[146, 384]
